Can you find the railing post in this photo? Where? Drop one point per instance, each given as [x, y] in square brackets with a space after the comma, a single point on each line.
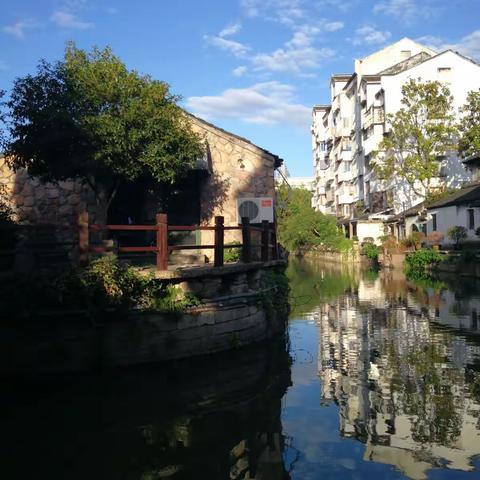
[162, 241]
[274, 241]
[219, 242]
[265, 240]
[83, 238]
[246, 241]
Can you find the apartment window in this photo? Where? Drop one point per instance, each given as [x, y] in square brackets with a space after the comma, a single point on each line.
[367, 188]
[471, 218]
[323, 146]
[434, 222]
[404, 54]
[347, 166]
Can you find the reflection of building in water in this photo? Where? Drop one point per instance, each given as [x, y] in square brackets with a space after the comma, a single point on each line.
[401, 381]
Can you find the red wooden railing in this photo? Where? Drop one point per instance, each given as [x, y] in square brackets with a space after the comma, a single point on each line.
[268, 245]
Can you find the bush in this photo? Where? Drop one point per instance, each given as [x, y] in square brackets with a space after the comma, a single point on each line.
[457, 234]
[104, 285]
[371, 251]
[419, 260]
[232, 254]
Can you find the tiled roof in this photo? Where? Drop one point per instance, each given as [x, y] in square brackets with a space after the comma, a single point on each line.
[463, 196]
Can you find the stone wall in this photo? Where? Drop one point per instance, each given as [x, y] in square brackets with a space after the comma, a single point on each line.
[34, 202]
[232, 315]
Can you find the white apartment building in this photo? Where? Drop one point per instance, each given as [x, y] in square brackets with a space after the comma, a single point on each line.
[347, 131]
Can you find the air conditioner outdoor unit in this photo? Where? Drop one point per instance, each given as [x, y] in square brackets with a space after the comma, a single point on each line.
[256, 209]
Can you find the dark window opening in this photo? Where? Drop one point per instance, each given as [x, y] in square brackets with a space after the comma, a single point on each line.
[434, 222]
[471, 218]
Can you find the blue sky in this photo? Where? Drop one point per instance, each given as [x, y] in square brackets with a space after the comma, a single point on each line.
[254, 67]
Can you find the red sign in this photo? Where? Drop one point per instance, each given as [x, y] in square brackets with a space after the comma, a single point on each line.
[266, 203]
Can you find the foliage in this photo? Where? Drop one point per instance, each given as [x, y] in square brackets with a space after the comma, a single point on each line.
[435, 238]
[7, 224]
[477, 231]
[419, 260]
[371, 251]
[232, 254]
[421, 131]
[389, 244]
[457, 234]
[275, 296]
[104, 285]
[89, 117]
[435, 195]
[300, 226]
[469, 143]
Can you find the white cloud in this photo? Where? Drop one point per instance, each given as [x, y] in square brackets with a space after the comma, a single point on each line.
[267, 103]
[369, 35]
[230, 30]
[239, 71]
[236, 48]
[468, 45]
[333, 26]
[287, 12]
[18, 29]
[69, 20]
[405, 10]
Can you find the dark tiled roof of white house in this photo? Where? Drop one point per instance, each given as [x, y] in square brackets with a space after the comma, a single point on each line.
[466, 195]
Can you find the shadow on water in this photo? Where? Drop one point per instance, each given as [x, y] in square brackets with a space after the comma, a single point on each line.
[214, 418]
[397, 363]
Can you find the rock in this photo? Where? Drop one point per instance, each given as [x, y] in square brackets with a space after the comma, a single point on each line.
[73, 199]
[52, 192]
[65, 210]
[19, 200]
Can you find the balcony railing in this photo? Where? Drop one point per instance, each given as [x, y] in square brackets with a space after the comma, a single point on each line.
[373, 116]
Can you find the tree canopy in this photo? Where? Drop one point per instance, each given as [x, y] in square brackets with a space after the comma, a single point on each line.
[421, 132]
[89, 117]
[470, 126]
[300, 226]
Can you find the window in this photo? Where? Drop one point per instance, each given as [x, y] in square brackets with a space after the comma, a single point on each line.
[346, 166]
[471, 218]
[434, 222]
[404, 54]
[444, 74]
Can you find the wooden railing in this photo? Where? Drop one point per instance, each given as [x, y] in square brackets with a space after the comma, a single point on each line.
[161, 248]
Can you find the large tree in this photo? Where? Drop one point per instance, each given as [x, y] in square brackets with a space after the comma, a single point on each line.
[420, 133]
[470, 125]
[89, 117]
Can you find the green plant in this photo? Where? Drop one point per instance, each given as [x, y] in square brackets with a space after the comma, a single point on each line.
[419, 260]
[457, 234]
[7, 224]
[371, 251]
[232, 254]
[275, 294]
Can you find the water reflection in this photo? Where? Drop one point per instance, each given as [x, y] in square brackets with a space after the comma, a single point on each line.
[215, 418]
[400, 360]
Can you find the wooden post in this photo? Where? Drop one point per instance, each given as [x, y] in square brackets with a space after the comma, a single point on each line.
[265, 240]
[219, 242]
[246, 241]
[274, 241]
[162, 241]
[83, 238]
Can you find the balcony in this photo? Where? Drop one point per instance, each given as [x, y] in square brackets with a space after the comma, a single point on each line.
[345, 176]
[329, 196]
[320, 190]
[373, 116]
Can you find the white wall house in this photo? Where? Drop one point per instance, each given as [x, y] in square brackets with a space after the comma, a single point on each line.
[347, 131]
[462, 208]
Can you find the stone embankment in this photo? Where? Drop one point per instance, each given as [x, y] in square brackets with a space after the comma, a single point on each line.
[239, 307]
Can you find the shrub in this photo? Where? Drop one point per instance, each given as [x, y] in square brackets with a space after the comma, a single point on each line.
[435, 238]
[419, 260]
[232, 254]
[371, 251]
[417, 239]
[457, 234]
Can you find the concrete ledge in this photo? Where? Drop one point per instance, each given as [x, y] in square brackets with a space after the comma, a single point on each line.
[207, 271]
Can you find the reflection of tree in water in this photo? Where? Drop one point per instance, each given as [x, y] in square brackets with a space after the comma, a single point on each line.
[426, 394]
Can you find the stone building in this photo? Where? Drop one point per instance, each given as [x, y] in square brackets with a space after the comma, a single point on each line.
[232, 168]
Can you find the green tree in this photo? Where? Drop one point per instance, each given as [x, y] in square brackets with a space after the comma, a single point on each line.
[89, 117]
[469, 143]
[300, 226]
[421, 132]
[457, 234]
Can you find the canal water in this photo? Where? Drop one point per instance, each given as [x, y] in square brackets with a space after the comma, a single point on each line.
[379, 378]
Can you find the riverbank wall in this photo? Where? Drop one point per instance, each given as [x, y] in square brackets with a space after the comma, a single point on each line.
[239, 306]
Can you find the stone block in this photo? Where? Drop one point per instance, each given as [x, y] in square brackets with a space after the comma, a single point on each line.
[52, 192]
[73, 199]
[28, 201]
